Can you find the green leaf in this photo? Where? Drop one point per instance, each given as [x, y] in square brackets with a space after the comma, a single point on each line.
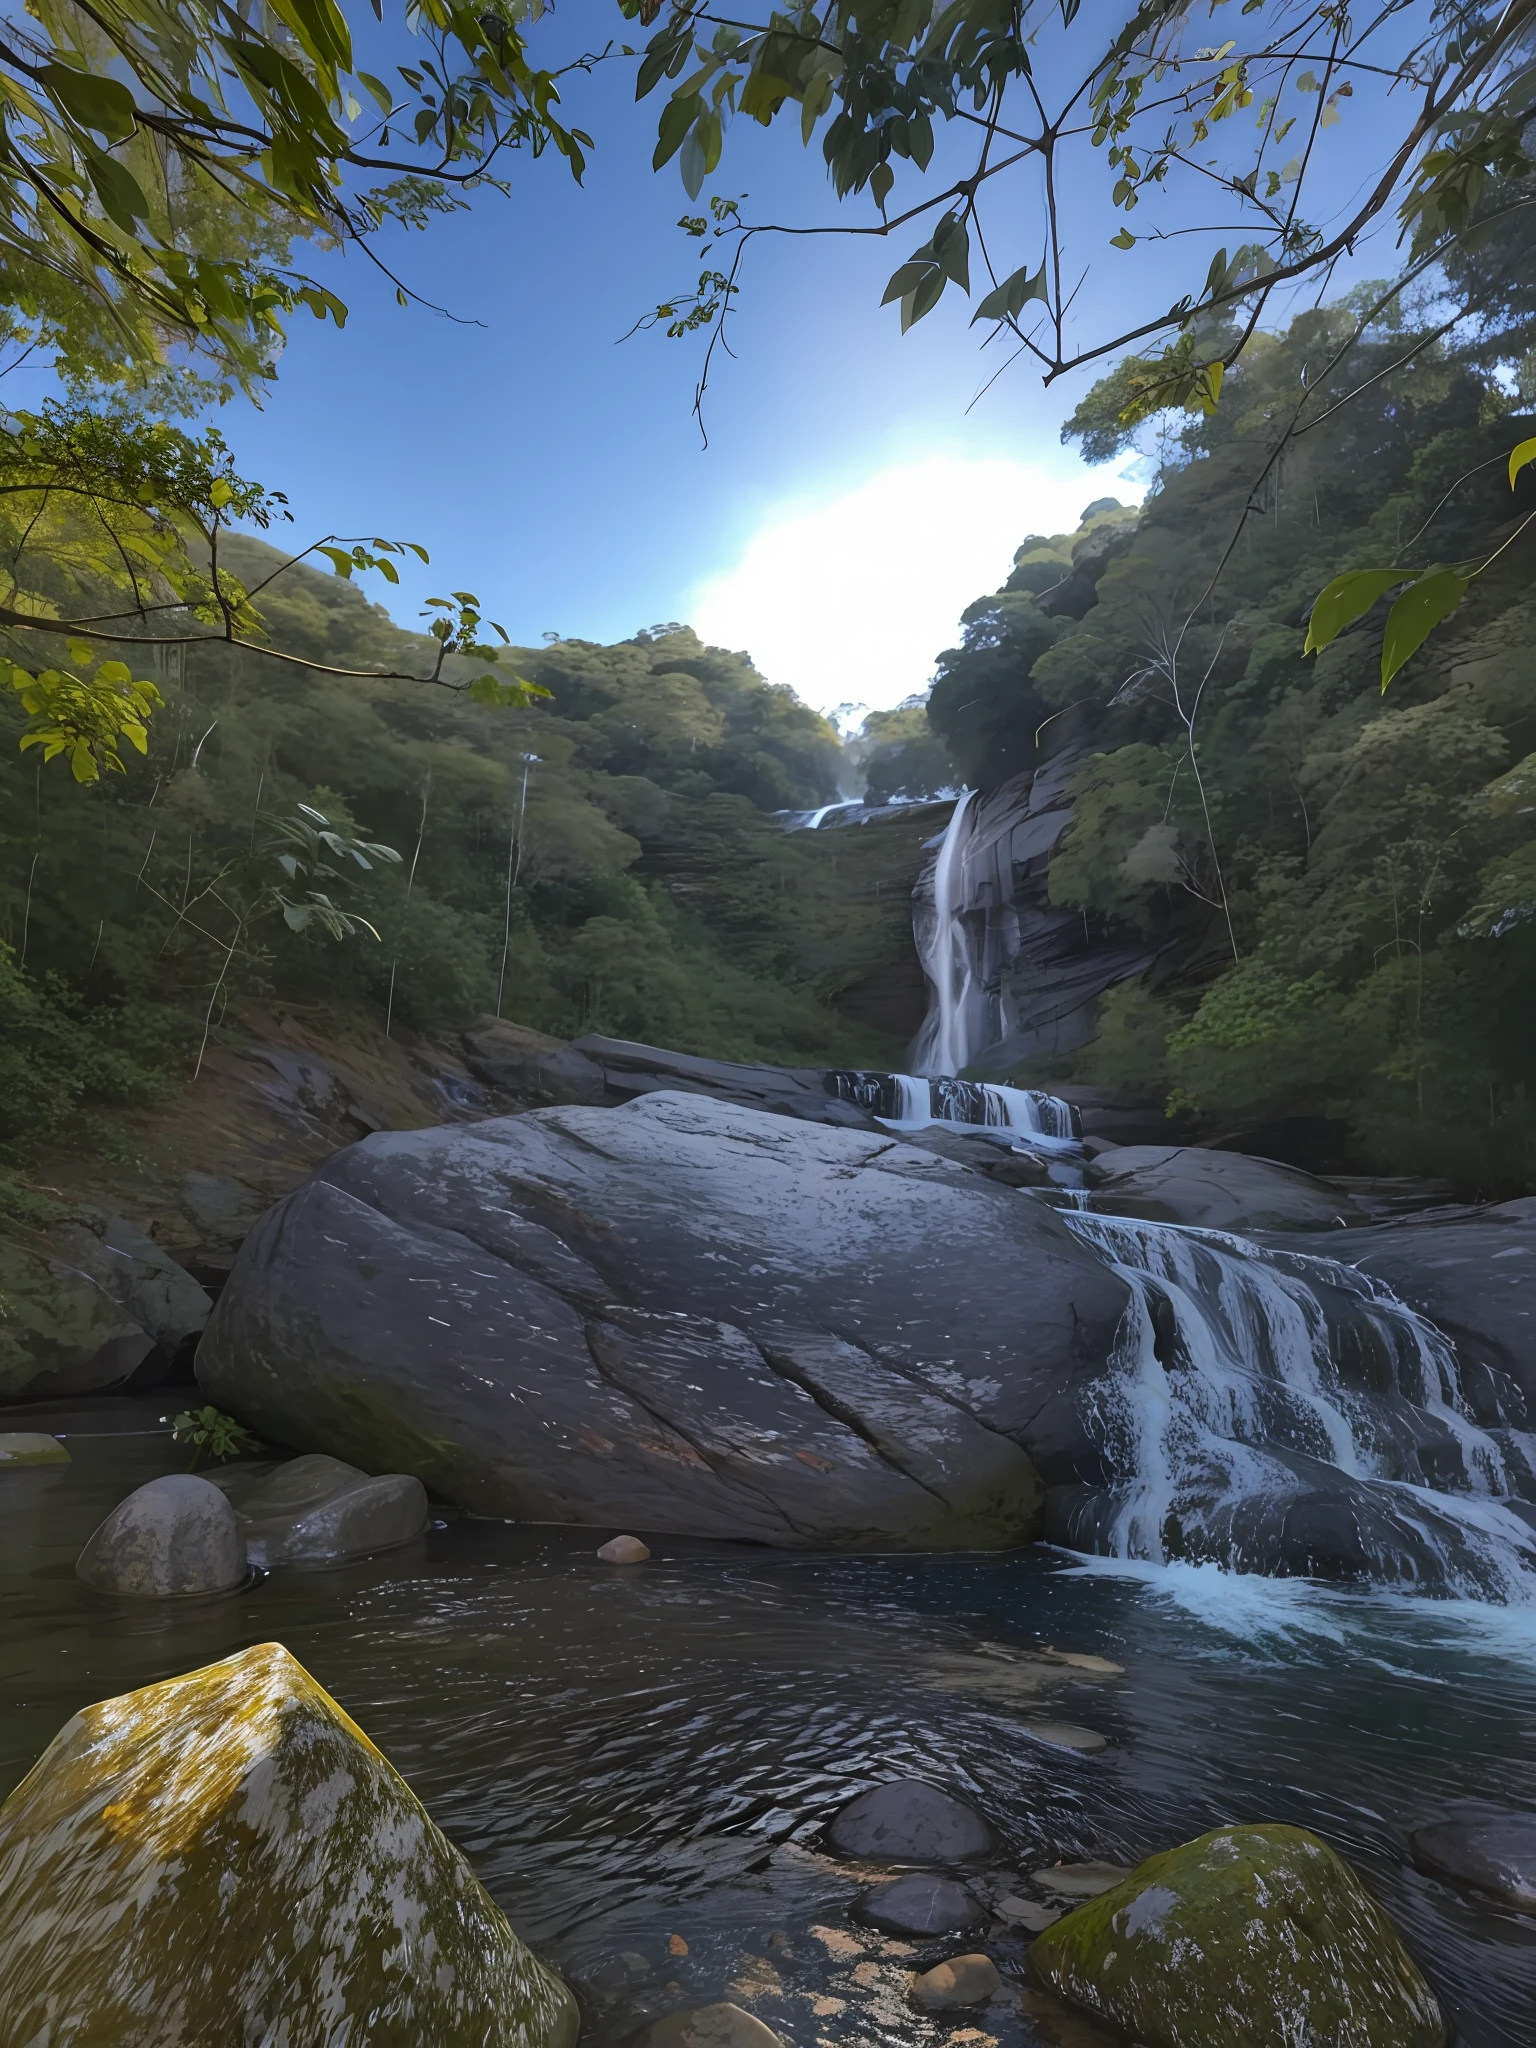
[881, 179]
[1345, 599]
[1011, 296]
[922, 298]
[1124, 240]
[1416, 614]
[380, 91]
[1519, 457]
[952, 250]
[121, 198]
[95, 102]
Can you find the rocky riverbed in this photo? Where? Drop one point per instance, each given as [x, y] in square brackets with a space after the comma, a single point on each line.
[643, 1764]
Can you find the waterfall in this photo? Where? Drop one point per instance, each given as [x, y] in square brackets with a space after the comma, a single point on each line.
[1253, 1389]
[911, 1102]
[952, 1026]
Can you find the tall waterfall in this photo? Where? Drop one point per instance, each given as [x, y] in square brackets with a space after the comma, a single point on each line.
[1252, 1392]
[955, 1022]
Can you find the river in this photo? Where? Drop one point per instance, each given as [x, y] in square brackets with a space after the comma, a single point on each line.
[638, 1762]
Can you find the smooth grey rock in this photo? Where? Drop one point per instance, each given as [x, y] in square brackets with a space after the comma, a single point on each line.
[1215, 1190]
[920, 1905]
[679, 1315]
[907, 1821]
[1495, 1855]
[317, 1510]
[175, 1535]
[624, 1550]
[710, 2026]
[962, 1981]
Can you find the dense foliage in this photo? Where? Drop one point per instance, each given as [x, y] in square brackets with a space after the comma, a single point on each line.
[642, 889]
[1346, 878]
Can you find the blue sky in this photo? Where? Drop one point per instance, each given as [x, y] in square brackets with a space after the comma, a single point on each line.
[848, 504]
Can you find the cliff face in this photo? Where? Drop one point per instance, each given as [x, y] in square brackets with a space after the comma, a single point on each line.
[1036, 971]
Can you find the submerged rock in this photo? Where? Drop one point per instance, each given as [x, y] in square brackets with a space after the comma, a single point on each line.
[1495, 1855]
[176, 1535]
[1244, 1938]
[920, 1905]
[1082, 1880]
[962, 1981]
[677, 1315]
[710, 2026]
[908, 1821]
[316, 1511]
[225, 1857]
[26, 1447]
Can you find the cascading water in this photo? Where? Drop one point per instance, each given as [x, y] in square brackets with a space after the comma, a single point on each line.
[1259, 1395]
[954, 1021]
[911, 1102]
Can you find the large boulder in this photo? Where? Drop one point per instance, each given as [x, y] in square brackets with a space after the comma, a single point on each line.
[677, 1315]
[177, 1535]
[1216, 1190]
[225, 1857]
[1245, 1938]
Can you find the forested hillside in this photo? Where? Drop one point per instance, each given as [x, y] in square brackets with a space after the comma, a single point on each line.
[1348, 874]
[643, 890]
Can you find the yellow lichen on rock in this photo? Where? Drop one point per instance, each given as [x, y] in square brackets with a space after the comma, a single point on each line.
[226, 1858]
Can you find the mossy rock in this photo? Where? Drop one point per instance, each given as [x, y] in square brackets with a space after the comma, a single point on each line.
[1249, 1937]
[226, 1857]
[25, 1447]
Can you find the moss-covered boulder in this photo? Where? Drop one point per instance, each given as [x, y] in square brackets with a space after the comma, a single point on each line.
[226, 1857]
[1249, 1937]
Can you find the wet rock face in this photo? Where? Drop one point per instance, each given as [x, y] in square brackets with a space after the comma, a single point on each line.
[227, 1857]
[1244, 1938]
[681, 1316]
[176, 1535]
[908, 1821]
[1214, 1190]
[1495, 1856]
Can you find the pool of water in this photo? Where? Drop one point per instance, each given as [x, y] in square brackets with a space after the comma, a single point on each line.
[638, 1763]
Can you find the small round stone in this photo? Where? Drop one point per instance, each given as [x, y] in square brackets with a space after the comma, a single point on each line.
[908, 1821]
[920, 1905]
[965, 1980]
[624, 1550]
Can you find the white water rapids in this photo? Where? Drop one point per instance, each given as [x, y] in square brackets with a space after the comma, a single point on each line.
[1253, 1387]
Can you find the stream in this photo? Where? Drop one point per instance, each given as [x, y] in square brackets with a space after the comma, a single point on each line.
[638, 1762]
